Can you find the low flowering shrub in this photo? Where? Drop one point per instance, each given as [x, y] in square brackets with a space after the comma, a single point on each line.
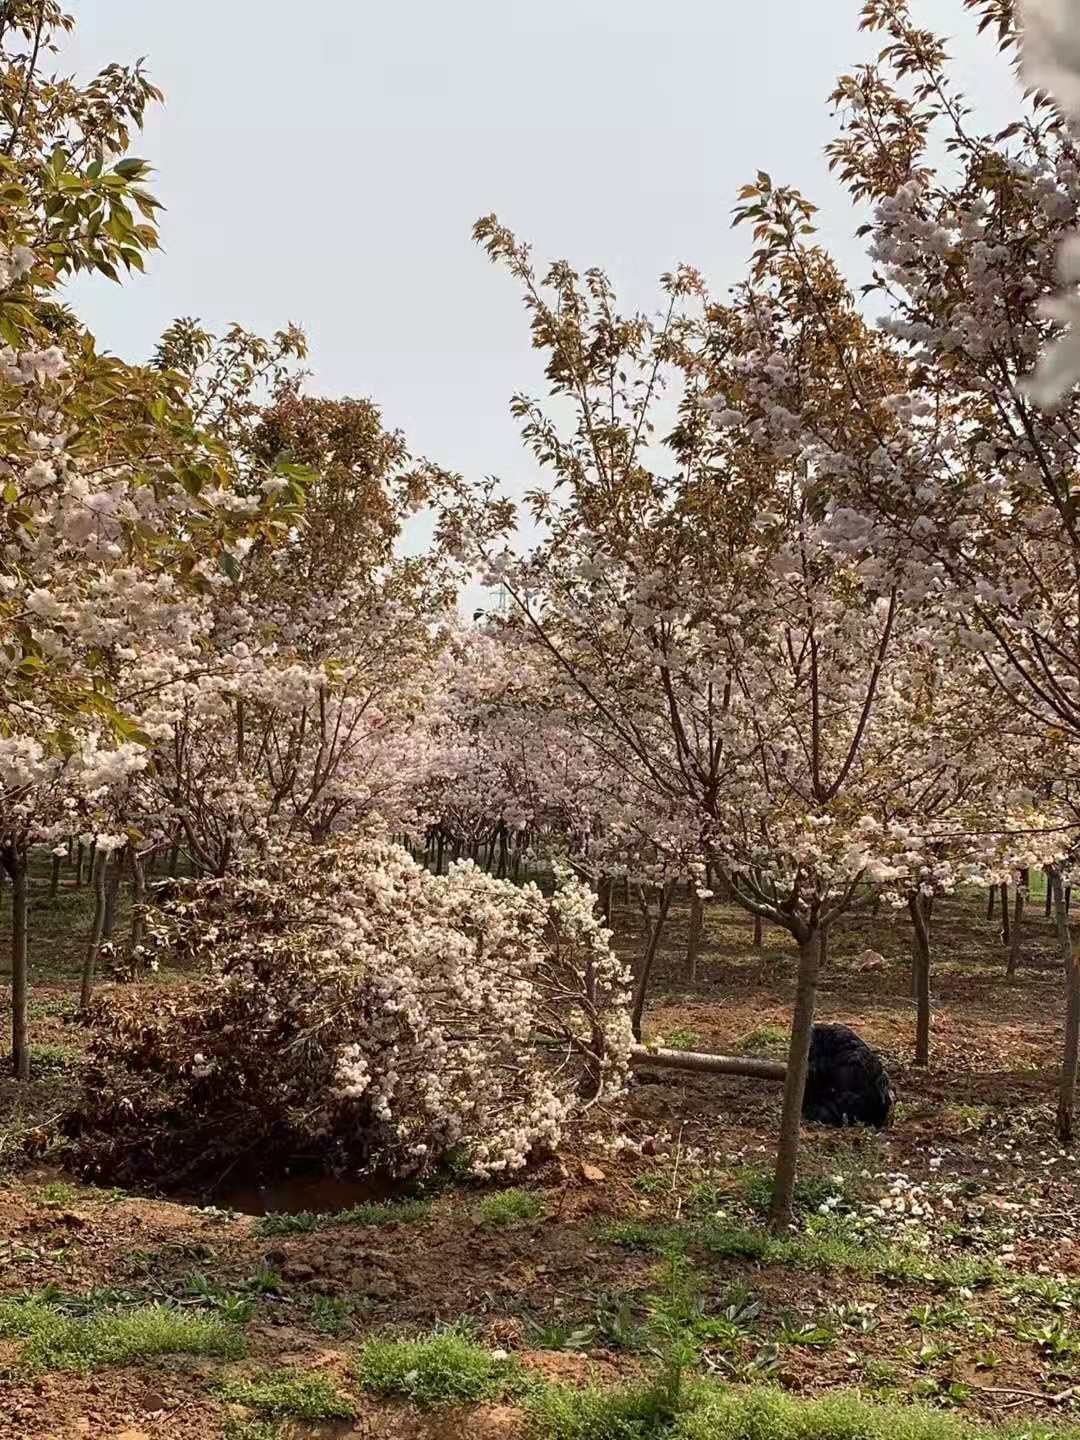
[359, 1010]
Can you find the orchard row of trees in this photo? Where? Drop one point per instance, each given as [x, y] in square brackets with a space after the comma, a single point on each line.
[799, 614]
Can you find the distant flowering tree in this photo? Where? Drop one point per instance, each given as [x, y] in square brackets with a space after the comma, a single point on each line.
[750, 681]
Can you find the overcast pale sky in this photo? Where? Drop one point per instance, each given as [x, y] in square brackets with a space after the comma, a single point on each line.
[324, 163]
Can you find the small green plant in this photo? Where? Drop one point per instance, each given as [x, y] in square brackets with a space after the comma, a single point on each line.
[682, 1039]
[557, 1334]
[333, 1315]
[1055, 1340]
[57, 1195]
[651, 1182]
[447, 1368]
[793, 1330]
[765, 1040]
[264, 1281]
[251, 1430]
[508, 1206]
[53, 1340]
[811, 1192]
[644, 1235]
[290, 1393]
[706, 1198]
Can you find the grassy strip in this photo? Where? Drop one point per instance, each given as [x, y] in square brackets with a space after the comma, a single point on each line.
[402, 1212]
[53, 1340]
[821, 1250]
[285, 1394]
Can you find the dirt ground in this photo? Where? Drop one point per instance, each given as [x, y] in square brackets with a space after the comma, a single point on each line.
[969, 1169]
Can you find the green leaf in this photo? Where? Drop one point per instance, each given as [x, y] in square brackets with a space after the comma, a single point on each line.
[229, 565]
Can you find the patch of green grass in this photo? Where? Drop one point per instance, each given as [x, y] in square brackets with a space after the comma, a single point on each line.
[55, 1340]
[560, 1412]
[765, 1040]
[332, 1315]
[448, 1368]
[294, 1394]
[811, 1191]
[401, 1212]
[770, 1414]
[657, 1236]
[507, 1206]
[828, 1243]
[49, 1059]
[57, 1194]
[252, 1430]
[681, 1039]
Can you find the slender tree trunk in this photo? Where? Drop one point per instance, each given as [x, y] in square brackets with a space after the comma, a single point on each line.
[920, 957]
[138, 900]
[79, 866]
[1006, 924]
[97, 927]
[54, 878]
[823, 956]
[1049, 894]
[641, 988]
[990, 902]
[112, 896]
[1068, 899]
[1017, 925]
[14, 858]
[757, 932]
[606, 895]
[1070, 964]
[693, 943]
[787, 1150]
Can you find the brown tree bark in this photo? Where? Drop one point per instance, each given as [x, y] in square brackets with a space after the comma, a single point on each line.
[14, 858]
[86, 992]
[1017, 925]
[54, 878]
[757, 932]
[1006, 924]
[920, 960]
[693, 942]
[1070, 961]
[641, 985]
[694, 1060]
[787, 1150]
[112, 896]
[138, 900]
[990, 902]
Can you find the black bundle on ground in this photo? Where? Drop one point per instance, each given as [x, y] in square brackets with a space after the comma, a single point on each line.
[846, 1083]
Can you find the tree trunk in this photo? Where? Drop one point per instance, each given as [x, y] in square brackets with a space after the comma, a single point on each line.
[54, 878]
[1017, 924]
[1070, 961]
[138, 900]
[757, 932]
[606, 897]
[920, 962]
[641, 988]
[693, 943]
[15, 860]
[787, 1150]
[1049, 894]
[1006, 925]
[990, 902]
[79, 866]
[174, 858]
[94, 944]
[695, 1061]
[112, 897]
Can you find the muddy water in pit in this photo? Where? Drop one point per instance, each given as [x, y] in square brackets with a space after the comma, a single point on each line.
[319, 1194]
